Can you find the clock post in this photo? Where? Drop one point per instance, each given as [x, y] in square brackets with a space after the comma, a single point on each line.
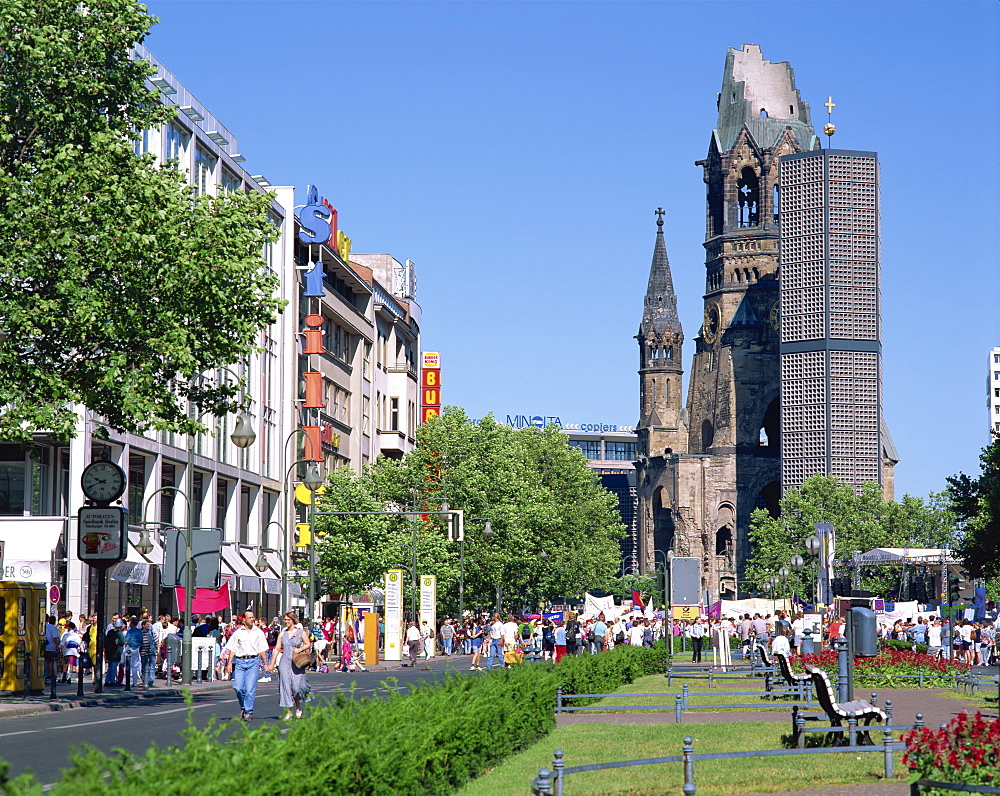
[102, 537]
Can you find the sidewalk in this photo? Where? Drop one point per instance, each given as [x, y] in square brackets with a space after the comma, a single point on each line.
[67, 698]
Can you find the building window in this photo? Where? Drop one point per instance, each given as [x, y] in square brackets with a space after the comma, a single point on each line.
[13, 470]
[246, 505]
[367, 364]
[748, 198]
[221, 504]
[394, 413]
[230, 182]
[168, 478]
[136, 485]
[204, 171]
[590, 448]
[366, 415]
[619, 451]
[175, 143]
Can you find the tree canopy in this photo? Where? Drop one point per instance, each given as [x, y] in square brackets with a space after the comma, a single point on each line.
[976, 502]
[118, 285]
[537, 492]
[863, 521]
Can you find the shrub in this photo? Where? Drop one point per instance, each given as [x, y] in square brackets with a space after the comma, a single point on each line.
[430, 740]
[965, 751]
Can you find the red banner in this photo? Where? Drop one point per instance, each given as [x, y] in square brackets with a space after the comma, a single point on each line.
[206, 601]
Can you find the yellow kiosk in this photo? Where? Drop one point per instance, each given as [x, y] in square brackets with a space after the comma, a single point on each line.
[22, 636]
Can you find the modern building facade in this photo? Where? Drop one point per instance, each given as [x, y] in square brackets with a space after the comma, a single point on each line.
[993, 386]
[705, 465]
[831, 342]
[335, 382]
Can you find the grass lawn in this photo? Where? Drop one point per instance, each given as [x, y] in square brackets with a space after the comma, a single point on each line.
[657, 684]
[985, 699]
[601, 743]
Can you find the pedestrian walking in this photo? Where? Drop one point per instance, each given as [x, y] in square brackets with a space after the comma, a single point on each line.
[246, 646]
[147, 654]
[133, 662]
[293, 687]
[495, 641]
[447, 637]
[476, 634]
[414, 643]
[697, 630]
[114, 641]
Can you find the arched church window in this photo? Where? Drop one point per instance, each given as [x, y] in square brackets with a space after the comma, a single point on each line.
[707, 435]
[748, 198]
[670, 352]
[724, 541]
[756, 274]
[791, 110]
[738, 274]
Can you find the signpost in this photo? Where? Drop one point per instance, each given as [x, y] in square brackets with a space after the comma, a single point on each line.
[428, 605]
[393, 614]
[102, 541]
[54, 594]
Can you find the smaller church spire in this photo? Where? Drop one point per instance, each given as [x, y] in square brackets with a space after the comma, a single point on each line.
[660, 305]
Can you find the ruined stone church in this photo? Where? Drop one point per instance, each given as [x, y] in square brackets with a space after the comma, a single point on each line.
[705, 464]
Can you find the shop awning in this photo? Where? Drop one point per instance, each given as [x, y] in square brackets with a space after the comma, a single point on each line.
[233, 563]
[28, 545]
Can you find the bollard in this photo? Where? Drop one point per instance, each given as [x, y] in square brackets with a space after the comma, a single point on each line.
[887, 746]
[128, 669]
[874, 700]
[919, 723]
[852, 731]
[840, 644]
[808, 647]
[542, 786]
[558, 764]
[559, 699]
[800, 730]
[50, 667]
[79, 677]
[670, 677]
[711, 678]
[677, 708]
[888, 713]
[689, 787]
[921, 678]
[684, 692]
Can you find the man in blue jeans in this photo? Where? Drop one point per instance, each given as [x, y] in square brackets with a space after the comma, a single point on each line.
[245, 646]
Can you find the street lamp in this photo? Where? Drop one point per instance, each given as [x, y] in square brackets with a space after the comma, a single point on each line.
[461, 557]
[488, 533]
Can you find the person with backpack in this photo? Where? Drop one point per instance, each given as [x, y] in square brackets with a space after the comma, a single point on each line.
[548, 639]
[572, 633]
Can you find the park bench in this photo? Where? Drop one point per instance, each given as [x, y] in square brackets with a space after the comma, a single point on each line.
[794, 679]
[839, 712]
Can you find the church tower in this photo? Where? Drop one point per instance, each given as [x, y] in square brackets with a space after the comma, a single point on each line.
[734, 397]
[662, 426]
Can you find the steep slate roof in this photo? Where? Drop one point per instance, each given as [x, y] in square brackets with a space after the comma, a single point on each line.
[745, 315]
[660, 305]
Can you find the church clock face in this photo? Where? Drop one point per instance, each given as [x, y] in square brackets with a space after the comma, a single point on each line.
[775, 317]
[713, 322]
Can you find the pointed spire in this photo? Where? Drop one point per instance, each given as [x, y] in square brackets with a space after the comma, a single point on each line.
[660, 305]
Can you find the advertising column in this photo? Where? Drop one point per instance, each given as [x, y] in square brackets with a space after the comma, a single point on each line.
[428, 605]
[393, 614]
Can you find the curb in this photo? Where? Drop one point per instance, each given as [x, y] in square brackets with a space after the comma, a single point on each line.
[41, 704]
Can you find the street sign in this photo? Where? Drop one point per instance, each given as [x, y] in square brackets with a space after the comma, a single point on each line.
[54, 594]
[685, 612]
[102, 538]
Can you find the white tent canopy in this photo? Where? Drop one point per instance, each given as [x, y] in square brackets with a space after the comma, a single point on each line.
[909, 555]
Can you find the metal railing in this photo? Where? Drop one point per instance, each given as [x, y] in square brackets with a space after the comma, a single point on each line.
[550, 782]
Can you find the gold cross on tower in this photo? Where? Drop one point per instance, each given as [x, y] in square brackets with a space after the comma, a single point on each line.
[829, 128]
[830, 105]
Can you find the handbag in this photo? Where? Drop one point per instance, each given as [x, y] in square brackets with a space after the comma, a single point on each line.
[302, 659]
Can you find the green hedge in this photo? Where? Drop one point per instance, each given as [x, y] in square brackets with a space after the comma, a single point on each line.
[428, 741]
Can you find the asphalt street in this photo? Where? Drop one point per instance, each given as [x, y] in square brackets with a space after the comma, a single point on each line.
[43, 742]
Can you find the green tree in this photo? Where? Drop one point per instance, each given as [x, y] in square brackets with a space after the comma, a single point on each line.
[118, 286]
[538, 493]
[862, 521]
[976, 502]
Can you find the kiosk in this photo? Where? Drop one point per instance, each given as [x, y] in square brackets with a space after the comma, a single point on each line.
[22, 636]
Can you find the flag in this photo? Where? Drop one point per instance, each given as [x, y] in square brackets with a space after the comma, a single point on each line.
[205, 601]
[637, 599]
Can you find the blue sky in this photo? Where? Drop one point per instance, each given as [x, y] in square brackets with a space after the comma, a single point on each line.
[516, 152]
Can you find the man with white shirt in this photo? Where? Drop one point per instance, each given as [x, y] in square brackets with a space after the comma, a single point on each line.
[495, 641]
[246, 646]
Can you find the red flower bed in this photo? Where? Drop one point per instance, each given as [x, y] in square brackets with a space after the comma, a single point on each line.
[966, 751]
[887, 663]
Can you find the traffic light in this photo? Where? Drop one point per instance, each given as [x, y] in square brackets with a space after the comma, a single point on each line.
[661, 585]
[954, 583]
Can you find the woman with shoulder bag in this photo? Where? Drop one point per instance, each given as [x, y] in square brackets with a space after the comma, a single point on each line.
[292, 684]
